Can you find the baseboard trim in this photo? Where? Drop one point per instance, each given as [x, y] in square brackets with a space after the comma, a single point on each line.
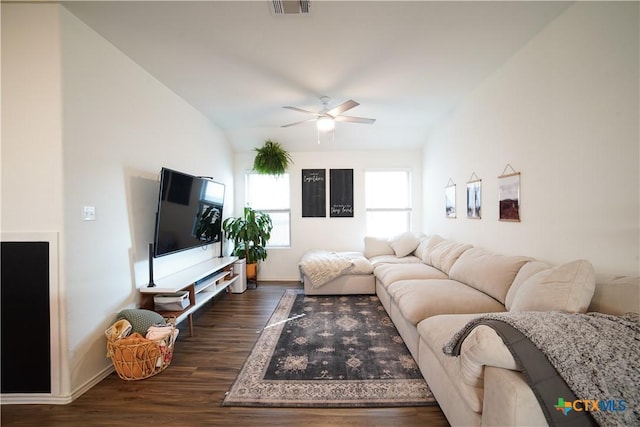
[50, 399]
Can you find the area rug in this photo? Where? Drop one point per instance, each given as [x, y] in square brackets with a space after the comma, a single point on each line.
[329, 351]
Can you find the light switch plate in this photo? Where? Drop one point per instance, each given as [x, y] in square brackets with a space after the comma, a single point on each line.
[89, 213]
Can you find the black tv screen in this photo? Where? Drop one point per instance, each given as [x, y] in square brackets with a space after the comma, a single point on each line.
[189, 212]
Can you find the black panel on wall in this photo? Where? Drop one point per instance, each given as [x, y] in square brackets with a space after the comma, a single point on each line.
[25, 365]
[314, 199]
[341, 188]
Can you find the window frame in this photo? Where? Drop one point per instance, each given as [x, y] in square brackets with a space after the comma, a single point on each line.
[408, 209]
[287, 211]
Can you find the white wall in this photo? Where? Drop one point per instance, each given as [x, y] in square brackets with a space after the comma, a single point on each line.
[31, 112]
[85, 126]
[563, 112]
[340, 234]
[31, 199]
[120, 127]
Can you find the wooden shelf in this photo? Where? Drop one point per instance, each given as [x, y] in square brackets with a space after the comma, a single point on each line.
[176, 282]
[203, 281]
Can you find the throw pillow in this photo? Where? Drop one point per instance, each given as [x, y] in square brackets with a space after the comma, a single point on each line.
[404, 243]
[375, 246]
[527, 270]
[141, 320]
[568, 287]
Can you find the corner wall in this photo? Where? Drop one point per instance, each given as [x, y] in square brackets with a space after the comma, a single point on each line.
[564, 111]
[121, 126]
[83, 125]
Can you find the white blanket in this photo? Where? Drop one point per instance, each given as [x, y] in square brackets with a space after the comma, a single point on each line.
[321, 267]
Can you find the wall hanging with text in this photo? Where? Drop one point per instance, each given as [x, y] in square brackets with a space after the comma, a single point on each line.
[341, 188]
[314, 198]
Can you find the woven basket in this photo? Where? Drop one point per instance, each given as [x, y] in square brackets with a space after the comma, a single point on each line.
[137, 358]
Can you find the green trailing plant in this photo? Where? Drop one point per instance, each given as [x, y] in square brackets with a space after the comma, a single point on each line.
[250, 234]
[271, 159]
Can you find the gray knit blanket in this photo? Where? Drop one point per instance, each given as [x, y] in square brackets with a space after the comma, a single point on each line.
[597, 355]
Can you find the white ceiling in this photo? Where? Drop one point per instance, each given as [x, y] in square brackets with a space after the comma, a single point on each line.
[407, 63]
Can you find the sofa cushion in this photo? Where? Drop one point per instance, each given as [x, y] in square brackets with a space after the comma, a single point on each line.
[423, 241]
[444, 254]
[404, 243]
[419, 299]
[425, 247]
[529, 269]
[568, 287]
[483, 347]
[374, 246]
[434, 333]
[379, 260]
[488, 272]
[389, 273]
[616, 294]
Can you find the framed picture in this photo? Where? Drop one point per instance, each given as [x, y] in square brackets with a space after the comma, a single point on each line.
[341, 193]
[314, 199]
[474, 199]
[450, 201]
[509, 197]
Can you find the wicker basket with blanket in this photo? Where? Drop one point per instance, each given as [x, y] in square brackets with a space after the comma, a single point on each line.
[136, 357]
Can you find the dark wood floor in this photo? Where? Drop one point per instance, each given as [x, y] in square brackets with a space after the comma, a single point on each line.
[191, 390]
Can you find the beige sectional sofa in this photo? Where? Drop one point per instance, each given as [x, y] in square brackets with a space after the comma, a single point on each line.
[431, 287]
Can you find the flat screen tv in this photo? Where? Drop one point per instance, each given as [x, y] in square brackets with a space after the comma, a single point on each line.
[189, 212]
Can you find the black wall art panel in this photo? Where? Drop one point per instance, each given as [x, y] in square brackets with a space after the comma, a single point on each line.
[25, 360]
[314, 193]
[341, 198]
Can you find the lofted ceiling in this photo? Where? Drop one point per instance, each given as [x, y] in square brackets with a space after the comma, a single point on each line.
[408, 64]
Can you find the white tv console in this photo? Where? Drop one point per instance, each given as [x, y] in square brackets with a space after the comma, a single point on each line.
[203, 281]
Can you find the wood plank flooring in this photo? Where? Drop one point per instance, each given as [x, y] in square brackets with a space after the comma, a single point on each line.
[191, 390]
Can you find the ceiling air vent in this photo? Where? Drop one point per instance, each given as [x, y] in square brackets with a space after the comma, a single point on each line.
[290, 7]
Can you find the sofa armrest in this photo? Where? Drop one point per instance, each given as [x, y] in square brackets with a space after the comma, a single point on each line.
[508, 400]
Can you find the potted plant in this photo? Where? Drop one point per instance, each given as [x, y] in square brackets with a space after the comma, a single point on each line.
[206, 227]
[250, 234]
[271, 159]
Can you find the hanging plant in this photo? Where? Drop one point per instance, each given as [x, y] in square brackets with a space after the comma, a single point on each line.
[271, 159]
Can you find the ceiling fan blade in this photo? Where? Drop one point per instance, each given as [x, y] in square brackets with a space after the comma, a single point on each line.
[301, 110]
[347, 105]
[350, 119]
[299, 123]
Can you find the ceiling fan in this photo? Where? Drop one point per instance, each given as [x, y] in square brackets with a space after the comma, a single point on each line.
[326, 117]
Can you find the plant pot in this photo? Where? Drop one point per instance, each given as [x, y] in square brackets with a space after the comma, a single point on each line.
[252, 271]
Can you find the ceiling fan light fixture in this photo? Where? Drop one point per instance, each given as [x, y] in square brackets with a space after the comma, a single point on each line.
[325, 124]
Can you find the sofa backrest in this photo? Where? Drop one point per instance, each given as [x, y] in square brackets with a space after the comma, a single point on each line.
[613, 294]
[443, 253]
[616, 294]
[486, 271]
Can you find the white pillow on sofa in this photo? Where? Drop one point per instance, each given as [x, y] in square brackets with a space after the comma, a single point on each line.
[527, 270]
[375, 246]
[404, 243]
[568, 287]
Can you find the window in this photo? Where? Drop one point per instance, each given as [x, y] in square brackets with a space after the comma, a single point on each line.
[270, 194]
[387, 202]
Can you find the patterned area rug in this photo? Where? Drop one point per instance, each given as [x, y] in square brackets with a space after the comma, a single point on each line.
[329, 351]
